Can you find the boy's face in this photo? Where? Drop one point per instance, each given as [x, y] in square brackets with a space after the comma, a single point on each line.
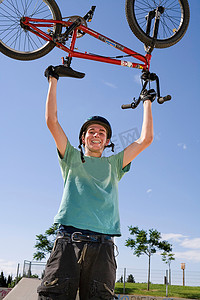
[95, 140]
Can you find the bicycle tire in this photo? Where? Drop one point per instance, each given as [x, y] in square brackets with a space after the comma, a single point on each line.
[173, 22]
[19, 43]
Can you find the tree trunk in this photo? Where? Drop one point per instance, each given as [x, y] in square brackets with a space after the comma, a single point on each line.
[170, 278]
[148, 283]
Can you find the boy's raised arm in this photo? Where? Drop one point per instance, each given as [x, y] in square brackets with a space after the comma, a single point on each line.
[52, 119]
[146, 136]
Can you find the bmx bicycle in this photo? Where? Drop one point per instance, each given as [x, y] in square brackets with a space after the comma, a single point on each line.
[29, 29]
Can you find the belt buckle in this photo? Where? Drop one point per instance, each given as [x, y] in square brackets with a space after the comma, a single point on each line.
[73, 238]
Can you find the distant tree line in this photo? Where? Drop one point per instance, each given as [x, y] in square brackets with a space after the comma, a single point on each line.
[5, 282]
[130, 278]
[9, 282]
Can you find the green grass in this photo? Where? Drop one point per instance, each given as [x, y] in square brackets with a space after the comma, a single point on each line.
[159, 290]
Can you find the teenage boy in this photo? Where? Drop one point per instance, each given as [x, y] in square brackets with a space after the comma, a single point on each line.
[83, 254]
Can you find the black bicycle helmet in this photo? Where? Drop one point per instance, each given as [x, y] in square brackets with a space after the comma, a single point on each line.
[95, 120]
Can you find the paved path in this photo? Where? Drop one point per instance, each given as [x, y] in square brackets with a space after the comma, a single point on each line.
[26, 289]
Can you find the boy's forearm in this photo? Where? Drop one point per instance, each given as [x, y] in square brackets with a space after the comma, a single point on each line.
[51, 102]
[147, 126]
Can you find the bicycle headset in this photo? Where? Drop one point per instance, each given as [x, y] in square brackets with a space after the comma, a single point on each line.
[95, 120]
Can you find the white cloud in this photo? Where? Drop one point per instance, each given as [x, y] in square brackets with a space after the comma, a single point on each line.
[173, 236]
[191, 243]
[185, 243]
[149, 191]
[8, 267]
[110, 84]
[188, 255]
[182, 145]
[183, 240]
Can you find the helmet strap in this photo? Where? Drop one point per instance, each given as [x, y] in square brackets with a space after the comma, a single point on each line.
[81, 152]
[111, 146]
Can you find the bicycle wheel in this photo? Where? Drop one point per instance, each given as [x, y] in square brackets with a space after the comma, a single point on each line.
[19, 43]
[173, 21]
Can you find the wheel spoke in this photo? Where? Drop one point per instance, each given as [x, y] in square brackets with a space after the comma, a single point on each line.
[170, 20]
[12, 35]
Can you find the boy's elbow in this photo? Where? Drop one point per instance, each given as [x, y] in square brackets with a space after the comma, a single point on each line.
[148, 140]
[50, 121]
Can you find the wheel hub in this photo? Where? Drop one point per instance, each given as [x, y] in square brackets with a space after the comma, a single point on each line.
[25, 27]
[161, 9]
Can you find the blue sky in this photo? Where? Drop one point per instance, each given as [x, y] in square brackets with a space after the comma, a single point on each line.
[162, 189]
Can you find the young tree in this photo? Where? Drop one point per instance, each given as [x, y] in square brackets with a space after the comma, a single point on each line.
[131, 278]
[44, 242]
[146, 243]
[168, 258]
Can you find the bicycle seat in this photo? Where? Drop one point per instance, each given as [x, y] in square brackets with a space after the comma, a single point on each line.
[64, 71]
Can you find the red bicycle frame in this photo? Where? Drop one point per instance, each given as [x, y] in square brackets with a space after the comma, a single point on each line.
[34, 24]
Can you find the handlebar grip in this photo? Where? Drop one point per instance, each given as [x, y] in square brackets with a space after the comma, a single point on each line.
[125, 106]
[161, 100]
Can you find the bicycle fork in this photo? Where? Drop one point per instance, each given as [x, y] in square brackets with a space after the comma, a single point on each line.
[156, 13]
[147, 76]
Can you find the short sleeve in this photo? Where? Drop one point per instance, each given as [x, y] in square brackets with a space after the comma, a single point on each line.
[117, 162]
[71, 158]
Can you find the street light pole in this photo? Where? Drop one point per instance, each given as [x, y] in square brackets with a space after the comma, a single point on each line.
[183, 268]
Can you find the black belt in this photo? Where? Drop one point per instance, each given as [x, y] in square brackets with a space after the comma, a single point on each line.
[79, 237]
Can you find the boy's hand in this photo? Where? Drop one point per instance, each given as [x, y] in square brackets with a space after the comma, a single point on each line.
[148, 95]
[50, 71]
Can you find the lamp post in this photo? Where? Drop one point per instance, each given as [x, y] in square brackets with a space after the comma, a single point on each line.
[183, 268]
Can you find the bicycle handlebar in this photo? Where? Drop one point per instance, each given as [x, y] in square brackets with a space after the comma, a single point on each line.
[161, 100]
[147, 77]
[132, 105]
[125, 106]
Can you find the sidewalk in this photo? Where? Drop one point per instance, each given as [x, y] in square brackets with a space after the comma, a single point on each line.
[26, 289]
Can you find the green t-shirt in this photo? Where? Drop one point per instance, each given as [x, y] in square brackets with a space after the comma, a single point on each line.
[90, 196]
